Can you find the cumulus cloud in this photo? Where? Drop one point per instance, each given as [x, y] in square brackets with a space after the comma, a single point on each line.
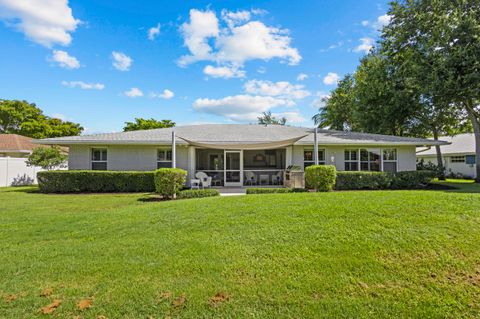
[239, 108]
[65, 60]
[383, 20]
[83, 85]
[153, 32]
[302, 77]
[166, 94]
[331, 78]
[292, 117]
[223, 72]
[121, 61]
[366, 44]
[282, 89]
[46, 22]
[133, 92]
[320, 99]
[235, 41]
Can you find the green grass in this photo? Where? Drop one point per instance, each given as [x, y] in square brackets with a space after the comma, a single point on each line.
[377, 254]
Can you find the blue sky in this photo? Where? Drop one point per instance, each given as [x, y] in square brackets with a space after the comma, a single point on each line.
[101, 63]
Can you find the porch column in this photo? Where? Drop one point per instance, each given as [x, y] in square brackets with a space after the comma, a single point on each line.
[315, 147]
[174, 155]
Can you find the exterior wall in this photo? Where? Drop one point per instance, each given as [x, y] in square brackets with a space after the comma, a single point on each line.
[467, 170]
[334, 155]
[79, 157]
[15, 172]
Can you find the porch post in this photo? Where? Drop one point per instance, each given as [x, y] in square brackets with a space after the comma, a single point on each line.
[315, 147]
[174, 156]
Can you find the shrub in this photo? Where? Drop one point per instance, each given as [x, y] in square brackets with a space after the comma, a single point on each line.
[95, 181]
[320, 177]
[169, 181]
[47, 157]
[275, 190]
[411, 179]
[363, 180]
[197, 193]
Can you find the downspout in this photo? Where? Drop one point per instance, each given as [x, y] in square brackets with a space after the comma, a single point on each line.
[315, 147]
[174, 157]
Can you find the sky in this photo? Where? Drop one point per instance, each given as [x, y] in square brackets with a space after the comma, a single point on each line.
[101, 63]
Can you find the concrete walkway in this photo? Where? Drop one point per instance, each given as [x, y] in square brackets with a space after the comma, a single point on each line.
[232, 191]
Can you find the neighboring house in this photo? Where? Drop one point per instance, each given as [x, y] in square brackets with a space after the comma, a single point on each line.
[458, 157]
[14, 150]
[240, 155]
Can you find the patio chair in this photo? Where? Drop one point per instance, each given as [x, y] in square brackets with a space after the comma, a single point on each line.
[204, 179]
[250, 178]
[277, 178]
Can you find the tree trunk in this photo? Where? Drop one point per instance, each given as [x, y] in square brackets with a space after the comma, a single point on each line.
[476, 131]
[440, 165]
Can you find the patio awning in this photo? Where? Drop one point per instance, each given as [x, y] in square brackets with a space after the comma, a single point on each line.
[244, 145]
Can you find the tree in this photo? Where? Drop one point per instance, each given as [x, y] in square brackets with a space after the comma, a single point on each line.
[47, 157]
[437, 45]
[268, 119]
[21, 117]
[147, 124]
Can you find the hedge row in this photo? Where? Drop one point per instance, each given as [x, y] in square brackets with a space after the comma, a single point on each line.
[275, 190]
[197, 193]
[320, 177]
[95, 181]
[383, 180]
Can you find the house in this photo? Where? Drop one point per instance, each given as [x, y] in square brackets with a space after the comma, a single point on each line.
[458, 155]
[240, 155]
[14, 150]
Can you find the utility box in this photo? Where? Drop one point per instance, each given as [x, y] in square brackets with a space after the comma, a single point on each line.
[294, 177]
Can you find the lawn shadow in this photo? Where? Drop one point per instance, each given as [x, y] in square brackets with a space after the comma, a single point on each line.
[455, 186]
[22, 189]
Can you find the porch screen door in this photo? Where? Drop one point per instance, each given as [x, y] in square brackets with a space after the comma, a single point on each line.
[233, 168]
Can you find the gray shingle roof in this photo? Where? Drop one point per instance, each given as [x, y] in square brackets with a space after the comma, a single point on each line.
[461, 144]
[238, 134]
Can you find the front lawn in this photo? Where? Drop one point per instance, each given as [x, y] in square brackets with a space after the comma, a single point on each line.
[377, 254]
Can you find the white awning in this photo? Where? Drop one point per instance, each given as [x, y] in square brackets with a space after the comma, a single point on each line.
[245, 145]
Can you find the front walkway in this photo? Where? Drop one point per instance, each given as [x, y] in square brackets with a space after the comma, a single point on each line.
[232, 191]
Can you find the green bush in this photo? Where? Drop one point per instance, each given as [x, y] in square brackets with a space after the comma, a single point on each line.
[95, 181]
[320, 177]
[197, 193]
[275, 190]
[363, 180]
[383, 180]
[169, 181]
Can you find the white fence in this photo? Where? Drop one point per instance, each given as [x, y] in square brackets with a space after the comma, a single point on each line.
[14, 172]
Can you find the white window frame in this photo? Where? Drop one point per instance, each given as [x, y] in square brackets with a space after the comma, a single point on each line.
[312, 162]
[92, 161]
[359, 161]
[165, 151]
[459, 159]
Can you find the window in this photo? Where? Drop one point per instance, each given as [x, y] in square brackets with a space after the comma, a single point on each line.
[457, 159]
[351, 160]
[309, 160]
[164, 158]
[99, 159]
[390, 160]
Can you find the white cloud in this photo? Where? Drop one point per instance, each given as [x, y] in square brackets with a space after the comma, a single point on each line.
[331, 78]
[319, 102]
[302, 77]
[133, 92]
[366, 44]
[292, 117]
[262, 70]
[83, 85]
[236, 41]
[65, 60]
[365, 23]
[46, 22]
[223, 72]
[383, 21]
[153, 32]
[121, 61]
[166, 94]
[282, 89]
[239, 108]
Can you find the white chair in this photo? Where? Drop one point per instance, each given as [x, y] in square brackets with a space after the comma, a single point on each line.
[205, 179]
[195, 183]
[250, 178]
[277, 178]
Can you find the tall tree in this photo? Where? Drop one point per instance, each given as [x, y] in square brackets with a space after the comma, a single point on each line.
[268, 119]
[147, 124]
[21, 117]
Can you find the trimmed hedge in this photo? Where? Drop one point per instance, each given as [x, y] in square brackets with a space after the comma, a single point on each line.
[197, 193]
[169, 181]
[320, 177]
[276, 190]
[383, 180]
[95, 181]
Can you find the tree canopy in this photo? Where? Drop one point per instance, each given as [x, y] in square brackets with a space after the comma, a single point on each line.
[147, 124]
[268, 119]
[21, 117]
[47, 157]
